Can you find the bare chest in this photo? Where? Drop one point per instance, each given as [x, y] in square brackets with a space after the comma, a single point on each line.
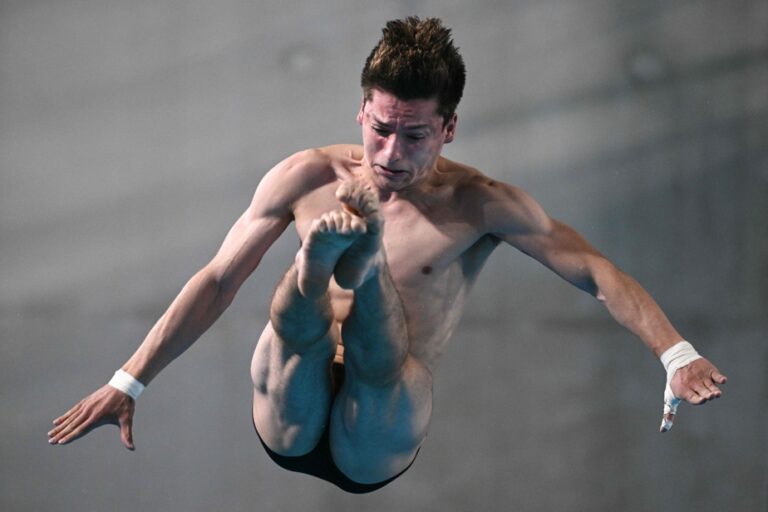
[421, 242]
[433, 255]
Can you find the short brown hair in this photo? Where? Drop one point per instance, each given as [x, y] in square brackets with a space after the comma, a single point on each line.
[416, 58]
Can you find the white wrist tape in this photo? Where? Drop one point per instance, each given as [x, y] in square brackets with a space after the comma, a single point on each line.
[675, 357]
[125, 382]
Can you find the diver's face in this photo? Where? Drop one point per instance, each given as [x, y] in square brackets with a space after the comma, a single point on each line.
[402, 139]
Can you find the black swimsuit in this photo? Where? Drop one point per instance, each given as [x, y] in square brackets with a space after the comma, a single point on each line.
[319, 462]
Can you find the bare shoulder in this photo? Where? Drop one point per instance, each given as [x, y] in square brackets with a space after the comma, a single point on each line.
[295, 177]
[305, 169]
[497, 207]
[313, 168]
[343, 152]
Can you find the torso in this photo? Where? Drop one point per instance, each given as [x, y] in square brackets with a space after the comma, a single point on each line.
[434, 243]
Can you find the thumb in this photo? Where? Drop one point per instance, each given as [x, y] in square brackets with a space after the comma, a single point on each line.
[126, 432]
[671, 402]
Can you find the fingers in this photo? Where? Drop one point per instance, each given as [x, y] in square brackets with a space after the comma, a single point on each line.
[126, 432]
[69, 413]
[74, 427]
[63, 424]
[703, 390]
[671, 402]
[696, 383]
[667, 420]
[695, 398]
[78, 430]
[105, 405]
[713, 390]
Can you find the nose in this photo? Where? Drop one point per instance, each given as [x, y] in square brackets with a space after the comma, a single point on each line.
[393, 148]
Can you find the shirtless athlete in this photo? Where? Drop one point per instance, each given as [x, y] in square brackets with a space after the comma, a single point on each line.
[392, 238]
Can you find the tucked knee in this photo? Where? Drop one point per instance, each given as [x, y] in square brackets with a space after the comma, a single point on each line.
[291, 441]
[380, 456]
[376, 431]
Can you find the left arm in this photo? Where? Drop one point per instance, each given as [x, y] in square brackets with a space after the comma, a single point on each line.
[566, 253]
[516, 218]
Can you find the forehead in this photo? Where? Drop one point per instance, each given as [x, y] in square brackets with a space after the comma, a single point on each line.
[387, 107]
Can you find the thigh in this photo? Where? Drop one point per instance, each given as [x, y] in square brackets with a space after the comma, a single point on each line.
[376, 431]
[292, 393]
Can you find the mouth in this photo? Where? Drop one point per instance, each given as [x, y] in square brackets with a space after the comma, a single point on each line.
[386, 171]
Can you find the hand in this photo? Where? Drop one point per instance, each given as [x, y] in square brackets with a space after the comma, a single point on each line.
[696, 383]
[106, 405]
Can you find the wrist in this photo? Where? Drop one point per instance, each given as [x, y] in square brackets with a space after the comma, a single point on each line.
[678, 355]
[127, 383]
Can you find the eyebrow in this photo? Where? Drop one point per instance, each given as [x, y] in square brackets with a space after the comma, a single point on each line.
[379, 122]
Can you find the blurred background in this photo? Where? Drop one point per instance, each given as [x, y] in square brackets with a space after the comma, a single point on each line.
[133, 134]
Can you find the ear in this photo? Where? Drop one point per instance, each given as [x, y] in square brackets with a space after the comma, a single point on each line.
[450, 129]
[360, 112]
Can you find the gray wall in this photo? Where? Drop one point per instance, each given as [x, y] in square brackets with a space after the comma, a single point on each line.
[132, 134]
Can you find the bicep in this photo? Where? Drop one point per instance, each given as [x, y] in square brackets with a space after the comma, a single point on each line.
[244, 246]
[556, 245]
[265, 219]
[563, 251]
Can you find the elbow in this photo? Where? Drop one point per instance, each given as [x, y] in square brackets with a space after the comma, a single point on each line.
[589, 285]
[601, 278]
[222, 289]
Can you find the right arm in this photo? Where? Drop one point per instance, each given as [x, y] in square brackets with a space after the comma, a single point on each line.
[202, 300]
[207, 294]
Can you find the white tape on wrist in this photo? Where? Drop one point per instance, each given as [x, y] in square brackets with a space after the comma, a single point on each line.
[127, 383]
[675, 357]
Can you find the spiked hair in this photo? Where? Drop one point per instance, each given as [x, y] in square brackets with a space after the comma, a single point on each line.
[416, 59]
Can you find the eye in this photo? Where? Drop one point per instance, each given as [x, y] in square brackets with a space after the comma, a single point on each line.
[415, 137]
[381, 131]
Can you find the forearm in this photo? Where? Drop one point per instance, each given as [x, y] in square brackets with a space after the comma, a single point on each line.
[194, 310]
[634, 308]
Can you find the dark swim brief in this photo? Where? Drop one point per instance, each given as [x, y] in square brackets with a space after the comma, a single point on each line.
[319, 462]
